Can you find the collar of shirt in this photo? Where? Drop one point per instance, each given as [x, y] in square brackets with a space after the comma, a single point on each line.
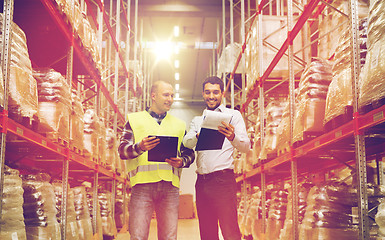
[220, 108]
[156, 116]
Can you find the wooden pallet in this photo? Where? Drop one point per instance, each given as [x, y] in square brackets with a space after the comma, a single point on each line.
[340, 119]
[54, 137]
[371, 106]
[77, 150]
[307, 137]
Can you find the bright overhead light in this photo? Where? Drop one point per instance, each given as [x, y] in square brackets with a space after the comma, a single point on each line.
[177, 96]
[163, 50]
[176, 64]
[176, 31]
[177, 87]
[177, 76]
[176, 49]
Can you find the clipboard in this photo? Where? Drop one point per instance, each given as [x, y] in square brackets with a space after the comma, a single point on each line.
[167, 148]
[209, 139]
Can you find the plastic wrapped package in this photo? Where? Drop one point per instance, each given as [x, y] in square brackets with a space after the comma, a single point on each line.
[22, 89]
[340, 90]
[102, 145]
[108, 223]
[82, 213]
[12, 219]
[277, 214]
[39, 208]
[72, 231]
[256, 142]
[273, 111]
[111, 146]
[380, 218]
[91, 132]
[283, 133]
[99, 230]
[228, 58]
[77, 123]
[329, 212]
[372, 82]
[334, 22]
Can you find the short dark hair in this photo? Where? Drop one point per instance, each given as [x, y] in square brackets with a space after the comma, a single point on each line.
[213, 80]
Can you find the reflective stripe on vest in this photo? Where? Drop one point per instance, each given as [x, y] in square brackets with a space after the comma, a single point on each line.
[154, 167]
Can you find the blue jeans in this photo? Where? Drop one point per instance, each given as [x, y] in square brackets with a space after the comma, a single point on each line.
[217, 202]
[162, 197]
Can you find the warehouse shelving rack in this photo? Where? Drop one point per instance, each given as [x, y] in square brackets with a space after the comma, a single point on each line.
[306, 159]
[52, 154]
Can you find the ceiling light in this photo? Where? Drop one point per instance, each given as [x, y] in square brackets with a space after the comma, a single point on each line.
[176, 64]
[177, 76]
[176, 49]
[177, 87]
[163, 50]
[176, 31]
[177, 96]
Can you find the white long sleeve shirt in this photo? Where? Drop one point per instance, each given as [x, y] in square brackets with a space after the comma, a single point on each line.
[214, 160]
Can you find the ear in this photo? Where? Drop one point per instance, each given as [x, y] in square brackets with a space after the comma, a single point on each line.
[153, 96]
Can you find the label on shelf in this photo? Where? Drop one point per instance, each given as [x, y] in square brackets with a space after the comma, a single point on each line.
[378, 116]
[19, 131]
[44, 142]
[338, 134]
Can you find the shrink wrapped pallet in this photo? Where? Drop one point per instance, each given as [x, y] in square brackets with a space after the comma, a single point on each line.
[332, 24]
[243, 211]
[273, 111]
[228, 59]
[310, 107]
[54, 103]
[283, 132]
[329, 212]
[372, 83]
[340, 96]
[22, 101]
[39, 208]
[72, 231]
[277, 214]
[82, 213]
[111, 146]
[108, 223]
[12, 219]
[102, 144]
[91, 133]
[77, 123]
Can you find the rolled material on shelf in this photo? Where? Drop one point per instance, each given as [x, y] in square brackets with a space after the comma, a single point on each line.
[82, 213]
[72, 231]
[277, 213]
[39, 208]
[372, 85]
[22, 101]
[12, 219]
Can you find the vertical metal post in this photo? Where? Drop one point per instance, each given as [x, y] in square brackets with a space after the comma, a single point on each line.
[232, 49]
[358, 136]
[224, 39]
[95, 202]
[135, 50]
[128, 48]
[243, 60]
[140, 63]
[64, 197]
[5, 65]
[116, 79]
[294, 180]
[113, 198]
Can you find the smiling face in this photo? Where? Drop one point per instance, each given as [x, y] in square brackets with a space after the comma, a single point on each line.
[212, 95]
[162, 98]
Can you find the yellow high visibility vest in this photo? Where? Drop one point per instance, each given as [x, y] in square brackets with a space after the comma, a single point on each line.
[140, 170]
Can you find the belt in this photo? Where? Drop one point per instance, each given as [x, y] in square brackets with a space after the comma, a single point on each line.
[216, 173]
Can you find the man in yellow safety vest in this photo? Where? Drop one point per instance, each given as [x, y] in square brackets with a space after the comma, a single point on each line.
[155, 184]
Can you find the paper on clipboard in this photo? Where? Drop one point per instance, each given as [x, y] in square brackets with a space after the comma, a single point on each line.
[213, 119]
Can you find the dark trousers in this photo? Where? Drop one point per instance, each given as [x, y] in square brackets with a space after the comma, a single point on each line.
[216, 202]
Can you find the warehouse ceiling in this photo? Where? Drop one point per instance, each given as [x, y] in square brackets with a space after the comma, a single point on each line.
[198, 22]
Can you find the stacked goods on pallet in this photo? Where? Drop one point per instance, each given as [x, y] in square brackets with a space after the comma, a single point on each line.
[77, 123]
[54, 104]
[372, 93]
[329, 212]
[82, 213]
[39, 208]
[72, 231]
[256, 142]
[277, 213]
[311, 98]
[244, 207]
[108, 222]
[99, 228]
[102, 144]
[91, 133]
[228, 59]
[22, 101]
[283, 132]
[273, 115]
[303, 190]
[12, 219]
[339, 98]
[250, 220]
[111, 152]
